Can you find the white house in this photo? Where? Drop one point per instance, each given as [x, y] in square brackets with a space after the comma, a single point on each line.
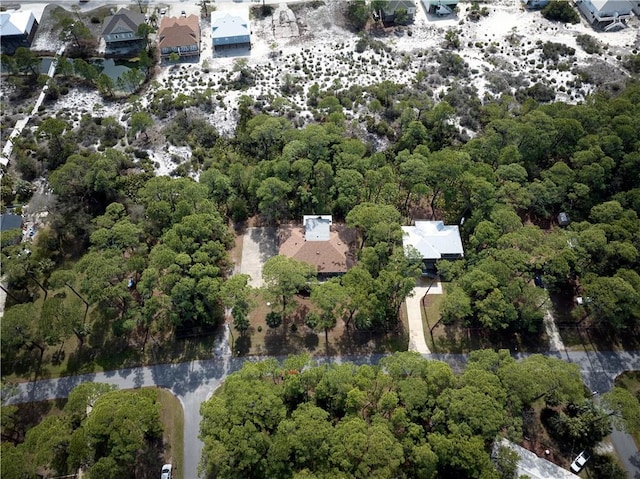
[317, 227]
[229, 31]
[434, 241]
[606, 14]
[439, 7]
[17, 29]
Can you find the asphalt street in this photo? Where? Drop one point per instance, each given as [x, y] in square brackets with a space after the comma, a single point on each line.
[193, 382]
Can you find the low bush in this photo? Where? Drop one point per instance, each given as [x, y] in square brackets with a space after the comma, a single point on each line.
[632, 63]
[553, 51]
[588, 43]
[560, 11]
[539, 92]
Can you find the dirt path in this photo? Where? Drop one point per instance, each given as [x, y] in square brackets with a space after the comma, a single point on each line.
[555, 341]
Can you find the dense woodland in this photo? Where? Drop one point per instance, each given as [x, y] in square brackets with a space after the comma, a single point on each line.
[408, 417]
[140, 255]
[107, 433]
[135, 259]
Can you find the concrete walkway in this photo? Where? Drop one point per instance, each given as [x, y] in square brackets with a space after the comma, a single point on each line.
[414, 315]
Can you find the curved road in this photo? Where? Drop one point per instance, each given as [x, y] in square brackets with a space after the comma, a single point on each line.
[193, 382]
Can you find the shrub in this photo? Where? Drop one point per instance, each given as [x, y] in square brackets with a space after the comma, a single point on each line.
[632, 63]
[553, 51]
[273, 319]
[539, 92]
[357, 14]
[560, 11]
[588, 43]
[451, 64]
[606, 467]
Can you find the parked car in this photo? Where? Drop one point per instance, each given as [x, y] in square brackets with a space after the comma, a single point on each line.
[166, 472]
[163, 11]
[579, 462]
[183, 13]
[537, 280]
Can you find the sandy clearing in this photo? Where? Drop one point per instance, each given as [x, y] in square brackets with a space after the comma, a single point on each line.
[503, 43]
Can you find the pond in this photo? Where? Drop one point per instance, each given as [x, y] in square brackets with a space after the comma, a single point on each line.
[112, 68]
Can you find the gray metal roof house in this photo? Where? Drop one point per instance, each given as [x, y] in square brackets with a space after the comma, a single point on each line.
[606, 14]
[434, 241]
[530, 465]
[10, 228]
[392, 7]
[16, 30]
[120, 32]
[439, 7]
[9, 221]
[229, 31]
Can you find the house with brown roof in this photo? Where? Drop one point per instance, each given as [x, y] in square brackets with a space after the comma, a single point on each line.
[320, 243]
[120, 32]
[179, 35]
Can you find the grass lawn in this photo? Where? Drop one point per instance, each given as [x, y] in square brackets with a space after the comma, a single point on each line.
[103, 353]
[430, 316]
[579, 331]
[293, 336]
[172, 417]
[536, 438]
[458, 339]
[236, 252]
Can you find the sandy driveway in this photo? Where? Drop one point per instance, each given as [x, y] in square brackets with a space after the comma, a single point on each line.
[258, 245]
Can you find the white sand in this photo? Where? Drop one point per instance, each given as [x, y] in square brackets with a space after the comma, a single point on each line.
[325, 54]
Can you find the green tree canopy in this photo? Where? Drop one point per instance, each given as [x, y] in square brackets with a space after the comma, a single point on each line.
[284, 277]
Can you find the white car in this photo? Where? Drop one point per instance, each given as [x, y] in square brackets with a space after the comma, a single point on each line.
[163, 11]
[166, 472]
[580, 461]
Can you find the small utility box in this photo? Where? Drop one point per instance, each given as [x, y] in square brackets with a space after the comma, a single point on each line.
[563, 219]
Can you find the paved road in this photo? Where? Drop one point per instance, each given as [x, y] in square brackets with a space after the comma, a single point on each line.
[193, 382]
